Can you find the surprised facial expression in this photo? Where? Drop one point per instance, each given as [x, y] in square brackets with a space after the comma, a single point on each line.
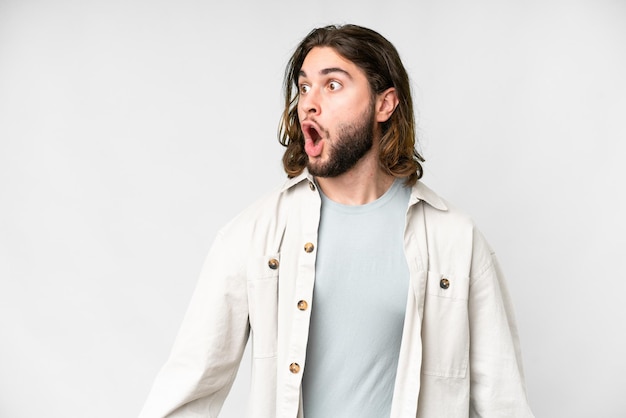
[336, 112]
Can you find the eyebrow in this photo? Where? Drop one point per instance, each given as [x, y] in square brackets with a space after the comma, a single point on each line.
[327, 71]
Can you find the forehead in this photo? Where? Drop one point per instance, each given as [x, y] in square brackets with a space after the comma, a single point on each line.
[323, 58]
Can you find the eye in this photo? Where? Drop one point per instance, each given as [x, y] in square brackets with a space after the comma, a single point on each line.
[334, 85]
[304, 88]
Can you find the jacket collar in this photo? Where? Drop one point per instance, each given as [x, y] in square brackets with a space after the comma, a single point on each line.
[419, 192]
[298, 179]
[422, 192]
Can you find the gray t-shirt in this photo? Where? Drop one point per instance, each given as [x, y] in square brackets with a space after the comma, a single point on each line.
[358, 308]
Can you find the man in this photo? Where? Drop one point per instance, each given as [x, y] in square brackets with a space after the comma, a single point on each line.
[365, 294]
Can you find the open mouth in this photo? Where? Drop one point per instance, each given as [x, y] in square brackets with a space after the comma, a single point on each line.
[312, 133]
[313, 139]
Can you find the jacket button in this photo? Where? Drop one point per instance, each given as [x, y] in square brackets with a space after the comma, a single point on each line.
[308, 247]
[273, 263]
[294, 368]
[312, 186]
[444, 283]
[303, 305]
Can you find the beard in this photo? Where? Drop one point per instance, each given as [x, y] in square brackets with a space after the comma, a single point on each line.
[352, 142]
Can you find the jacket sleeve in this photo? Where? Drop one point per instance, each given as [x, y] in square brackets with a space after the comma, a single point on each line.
[206, 354]
[497, 387]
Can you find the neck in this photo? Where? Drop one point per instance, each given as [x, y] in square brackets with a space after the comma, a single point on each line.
[363, 183]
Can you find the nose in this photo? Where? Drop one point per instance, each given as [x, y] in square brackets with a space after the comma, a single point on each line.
[309, 103]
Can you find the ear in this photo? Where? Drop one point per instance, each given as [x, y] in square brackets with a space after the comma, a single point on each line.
[386, 103]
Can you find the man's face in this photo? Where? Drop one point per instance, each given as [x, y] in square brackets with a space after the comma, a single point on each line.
[336, 112]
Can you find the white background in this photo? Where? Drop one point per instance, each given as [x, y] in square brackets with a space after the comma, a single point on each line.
[130, 131]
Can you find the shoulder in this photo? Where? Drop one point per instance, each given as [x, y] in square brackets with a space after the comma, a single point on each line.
[451, 233]
[438, 211]
[266, 217]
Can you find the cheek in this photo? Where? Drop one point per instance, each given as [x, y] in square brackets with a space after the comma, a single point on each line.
[300, 112]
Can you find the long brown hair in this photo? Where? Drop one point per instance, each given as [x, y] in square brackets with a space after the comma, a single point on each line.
[380, 61]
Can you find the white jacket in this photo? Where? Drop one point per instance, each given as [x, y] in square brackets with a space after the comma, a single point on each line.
[459, 355]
